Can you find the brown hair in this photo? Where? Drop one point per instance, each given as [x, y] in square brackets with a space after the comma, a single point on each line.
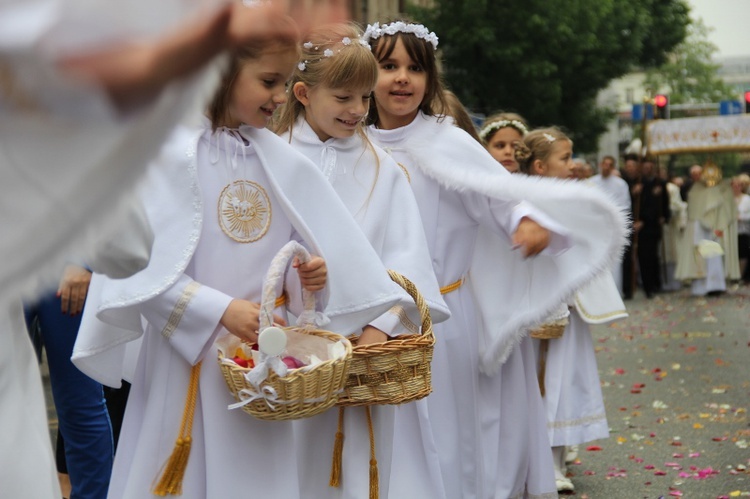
[351, 66]
[456, 110]
[423, 53]
[501, 116]
[219, 105]
[537, 145]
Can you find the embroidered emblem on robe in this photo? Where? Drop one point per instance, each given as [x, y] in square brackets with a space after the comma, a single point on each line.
[244, 211]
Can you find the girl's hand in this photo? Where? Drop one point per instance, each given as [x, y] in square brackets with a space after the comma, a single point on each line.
[242, 319]
[313, 275]
[371, 335]
[531, 236]
[73, 288]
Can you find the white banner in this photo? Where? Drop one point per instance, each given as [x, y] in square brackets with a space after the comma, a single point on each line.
[702, 134]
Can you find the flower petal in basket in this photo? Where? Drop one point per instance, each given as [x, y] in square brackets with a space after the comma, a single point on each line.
[271, 392]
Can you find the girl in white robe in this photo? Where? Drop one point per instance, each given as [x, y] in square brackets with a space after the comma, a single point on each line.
[572, 392]
[459, 189]
[323, 119]
[222, 202]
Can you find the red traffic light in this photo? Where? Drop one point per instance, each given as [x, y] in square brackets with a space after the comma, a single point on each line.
[662, 100]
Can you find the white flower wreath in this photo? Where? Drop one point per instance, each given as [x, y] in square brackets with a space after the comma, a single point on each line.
[375, 31]
[497, 125]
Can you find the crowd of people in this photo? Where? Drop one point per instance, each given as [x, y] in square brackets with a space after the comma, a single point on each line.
[345, 141]
[687, 231]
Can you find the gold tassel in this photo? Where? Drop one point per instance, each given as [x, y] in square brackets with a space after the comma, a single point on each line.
[338, 451]
[173, 470]
[374, 480]
[543, 347]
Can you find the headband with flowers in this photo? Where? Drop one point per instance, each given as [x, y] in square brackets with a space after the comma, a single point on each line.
[310, 46]
[497, 125]
[375, 31]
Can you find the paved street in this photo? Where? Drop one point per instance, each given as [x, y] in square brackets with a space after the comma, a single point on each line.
[676, 382]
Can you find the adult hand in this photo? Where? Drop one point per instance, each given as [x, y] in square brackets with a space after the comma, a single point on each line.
[73, 288]
[134, 72]
[242, 319]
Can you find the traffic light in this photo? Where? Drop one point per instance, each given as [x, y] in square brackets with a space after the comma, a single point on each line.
[661, 102]
[747, 101]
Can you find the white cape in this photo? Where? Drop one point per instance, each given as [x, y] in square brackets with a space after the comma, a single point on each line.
[309, 203]
[514, 293]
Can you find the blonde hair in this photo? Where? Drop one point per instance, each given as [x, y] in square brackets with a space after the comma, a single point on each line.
[349, 65]
[538, 145]
[332, 56]
[219, 105]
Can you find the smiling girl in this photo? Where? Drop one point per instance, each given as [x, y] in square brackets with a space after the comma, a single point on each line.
[329, 96]
[223, 198]
[450, 443]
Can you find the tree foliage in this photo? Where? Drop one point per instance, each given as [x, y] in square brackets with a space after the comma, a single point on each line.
[548, 59]
[689, 75]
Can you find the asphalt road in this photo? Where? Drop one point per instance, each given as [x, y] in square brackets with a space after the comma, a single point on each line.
[675, 377]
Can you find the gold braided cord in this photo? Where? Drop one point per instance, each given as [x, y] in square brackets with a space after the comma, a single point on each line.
[173, 471]
[452, 286]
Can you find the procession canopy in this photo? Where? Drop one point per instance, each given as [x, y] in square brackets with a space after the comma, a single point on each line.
[701, 134]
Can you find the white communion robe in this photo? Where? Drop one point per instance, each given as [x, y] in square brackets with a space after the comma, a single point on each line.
[67, 161]
[377, 194]
[573, 394]
[619, 191]
[232, 453]
[442, 451]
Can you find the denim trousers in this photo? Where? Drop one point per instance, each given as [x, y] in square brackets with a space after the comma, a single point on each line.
[79, 401]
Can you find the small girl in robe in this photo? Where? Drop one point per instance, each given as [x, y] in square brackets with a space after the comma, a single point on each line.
[459, 189]
[501, 133]
[328, 99]
[223, 197]
[570, 378]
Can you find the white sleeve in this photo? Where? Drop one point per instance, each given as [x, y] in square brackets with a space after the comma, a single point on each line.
[187, 315]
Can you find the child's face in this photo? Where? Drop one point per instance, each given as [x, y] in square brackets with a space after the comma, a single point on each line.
[502, 146]
[559, 164]
[260, 88]
[333, 112]
[400, 89]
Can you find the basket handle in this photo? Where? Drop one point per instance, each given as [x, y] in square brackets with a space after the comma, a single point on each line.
[275, 273]
[411, 289]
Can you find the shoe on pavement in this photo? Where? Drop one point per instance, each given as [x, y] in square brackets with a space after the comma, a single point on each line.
[564, 484]
[571, 454]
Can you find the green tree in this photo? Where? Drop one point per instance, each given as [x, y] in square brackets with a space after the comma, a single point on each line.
[689, 75]
[548, 59]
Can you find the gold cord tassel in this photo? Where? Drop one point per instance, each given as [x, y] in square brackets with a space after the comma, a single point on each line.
[173, 470]
[543, 347]
[338, 451]
[374, 480]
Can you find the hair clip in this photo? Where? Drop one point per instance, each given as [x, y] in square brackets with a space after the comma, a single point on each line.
[549, 137]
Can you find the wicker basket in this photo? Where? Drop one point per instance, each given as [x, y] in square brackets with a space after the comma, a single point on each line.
[397, 371]
[554, 327]
[302, 392]
[550, 330]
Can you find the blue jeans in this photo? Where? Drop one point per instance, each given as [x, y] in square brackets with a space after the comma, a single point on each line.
[79, 401]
